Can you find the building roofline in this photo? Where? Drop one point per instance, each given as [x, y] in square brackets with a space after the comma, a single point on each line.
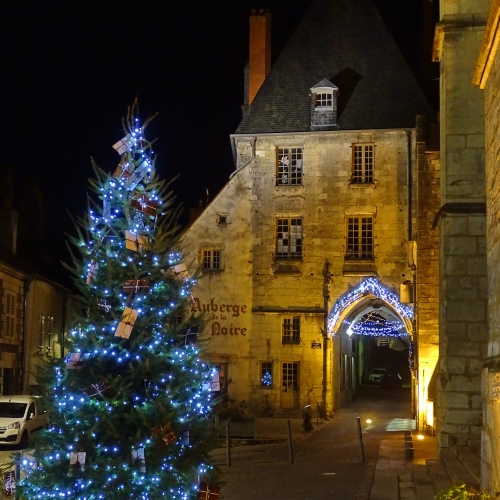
[325, 132]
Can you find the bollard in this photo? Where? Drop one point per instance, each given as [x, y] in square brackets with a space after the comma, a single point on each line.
[360, 436]
[228, 445]
[290, 444]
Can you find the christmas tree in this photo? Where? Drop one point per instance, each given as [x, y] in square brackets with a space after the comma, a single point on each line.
[130, 404]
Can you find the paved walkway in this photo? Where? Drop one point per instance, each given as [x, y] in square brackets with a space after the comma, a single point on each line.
[327, 462]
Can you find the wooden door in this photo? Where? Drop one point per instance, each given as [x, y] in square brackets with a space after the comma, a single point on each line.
[290, 385]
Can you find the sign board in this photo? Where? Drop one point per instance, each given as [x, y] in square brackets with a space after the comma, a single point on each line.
[316, 345]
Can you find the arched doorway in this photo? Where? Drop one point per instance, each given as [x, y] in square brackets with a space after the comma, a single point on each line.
[371, 330]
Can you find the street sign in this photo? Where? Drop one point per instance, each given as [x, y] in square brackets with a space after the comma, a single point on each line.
[316, 345]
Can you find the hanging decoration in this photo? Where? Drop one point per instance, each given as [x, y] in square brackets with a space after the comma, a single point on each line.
[134, 241]
[103, 304]
[75, 360]
[145, 205]
[135, 285]
[9, 481]
[367, 287]
[164, 435]
[139, 459]
[92, 272]
[100, 389]
[77, 463]
[125, 326]
[208, 492]
[375, 325]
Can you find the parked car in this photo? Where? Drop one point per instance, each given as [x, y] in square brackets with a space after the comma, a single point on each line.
[391, 380]
[376, 375]
[20, 419]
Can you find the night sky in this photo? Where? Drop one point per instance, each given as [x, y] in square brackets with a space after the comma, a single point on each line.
[70, 69]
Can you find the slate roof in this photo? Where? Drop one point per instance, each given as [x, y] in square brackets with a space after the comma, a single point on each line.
[346, 42]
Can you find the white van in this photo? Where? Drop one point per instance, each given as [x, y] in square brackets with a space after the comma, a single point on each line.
[20, 418]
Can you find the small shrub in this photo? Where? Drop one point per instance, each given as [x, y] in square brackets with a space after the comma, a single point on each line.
[462, 492]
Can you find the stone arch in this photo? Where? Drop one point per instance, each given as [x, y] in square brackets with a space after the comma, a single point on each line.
[366, 292]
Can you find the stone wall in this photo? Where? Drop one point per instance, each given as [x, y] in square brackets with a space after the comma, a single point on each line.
[462, 320]
[427, 312]
[490, 474]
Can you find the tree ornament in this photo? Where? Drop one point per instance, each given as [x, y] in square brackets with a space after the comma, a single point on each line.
[145, 205]
[75, 360]
[9, 481]
[124, 328]
[92, 272]
[139, 459]
[208, 492]
[103, 305]
[135, 285]
[101, 389]
[163, 435]
[135, 242]
[77, 463]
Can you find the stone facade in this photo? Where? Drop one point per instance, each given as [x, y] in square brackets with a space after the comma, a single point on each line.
[461, 218]
[259, 290]
[487, 77]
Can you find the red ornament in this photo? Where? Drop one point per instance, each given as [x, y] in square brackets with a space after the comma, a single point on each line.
[208, 492]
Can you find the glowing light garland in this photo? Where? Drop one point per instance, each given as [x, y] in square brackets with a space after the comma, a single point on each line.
[370, 285]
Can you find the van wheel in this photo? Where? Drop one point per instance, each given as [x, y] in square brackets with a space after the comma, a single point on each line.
[24, 440]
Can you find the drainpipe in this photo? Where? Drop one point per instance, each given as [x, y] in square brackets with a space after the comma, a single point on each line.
[26, 346]
[326, 298]
[410, 187]
[250, 160]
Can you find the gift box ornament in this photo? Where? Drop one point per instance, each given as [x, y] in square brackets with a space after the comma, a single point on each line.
[76, 360]
[180, 271]
[184, 439]
[136, 285]
[208, 492]
[103, 305]
[77, 463]
[134, 241]
[211, 381]
[100, 389]
[123, 169]
[137, 175]
[139, 459]
[122, 145]
[164, 434]
[125, 326]
[92, 272]
[145, 205]
[9, 481]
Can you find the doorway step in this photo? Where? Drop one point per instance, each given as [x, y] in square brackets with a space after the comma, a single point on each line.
[460, 465]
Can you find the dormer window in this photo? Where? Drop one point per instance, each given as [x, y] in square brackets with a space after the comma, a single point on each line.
[324, 99]
[324, 106]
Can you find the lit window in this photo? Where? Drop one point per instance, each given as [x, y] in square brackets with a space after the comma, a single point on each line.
[289, 238]
[266, 374]
[362, 163]
[289, 170]
[212, 259]
[291, 330]
[324, 99]
[359, 237]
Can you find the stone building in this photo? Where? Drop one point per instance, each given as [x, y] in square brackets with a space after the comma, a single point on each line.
[33, 308]
[324, 221]
[487, 77]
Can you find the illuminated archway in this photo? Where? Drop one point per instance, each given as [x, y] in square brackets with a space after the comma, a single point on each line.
[368, 290]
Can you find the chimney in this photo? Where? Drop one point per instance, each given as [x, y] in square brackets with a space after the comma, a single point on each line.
[260, 51]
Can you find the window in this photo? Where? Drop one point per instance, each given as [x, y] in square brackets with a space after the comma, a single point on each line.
[266, 374]
[359, 237]
[289, 167]
[291, 330]
[362, 163]
[324, 99]
[222, 219]
[9, 314]
[212, 259]
[289, 238]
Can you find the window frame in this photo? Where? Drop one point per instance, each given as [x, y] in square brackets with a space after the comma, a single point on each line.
[320, 97]
[291, 242]
[290, 330]
[292, 173]
[266, 367]
[363, 165]
[215, 257]
[367, 253]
